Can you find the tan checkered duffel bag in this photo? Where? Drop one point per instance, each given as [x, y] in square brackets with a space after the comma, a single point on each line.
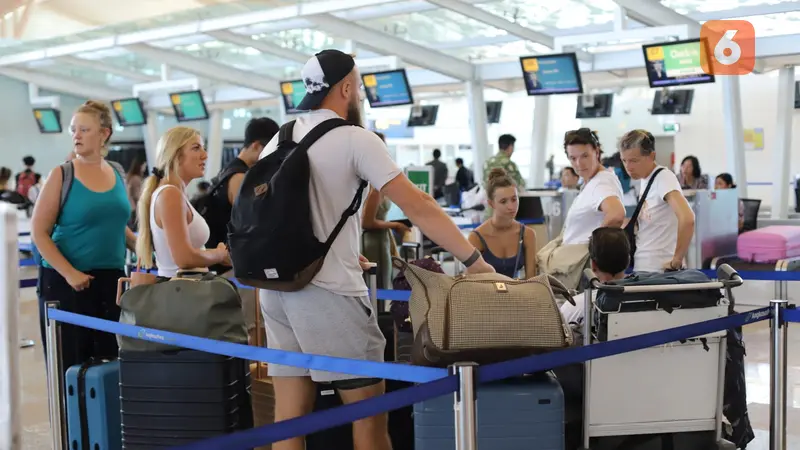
[483, 318]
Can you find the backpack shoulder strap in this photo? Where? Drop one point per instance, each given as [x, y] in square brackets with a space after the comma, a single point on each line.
[118, 167]
[286, 134]
[320, 130]
[223, 176]
[67, 175]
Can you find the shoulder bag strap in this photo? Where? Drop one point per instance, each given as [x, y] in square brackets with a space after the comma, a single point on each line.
[635, 216]
[521, 245]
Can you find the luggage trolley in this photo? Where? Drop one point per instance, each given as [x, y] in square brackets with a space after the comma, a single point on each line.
[781, 289]
[672, 388]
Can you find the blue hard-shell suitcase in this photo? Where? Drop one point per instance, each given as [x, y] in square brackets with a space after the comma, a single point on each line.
[93, 409]
[520, 413]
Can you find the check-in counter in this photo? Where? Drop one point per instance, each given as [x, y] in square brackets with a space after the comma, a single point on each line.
[716, 225]
[554, 207]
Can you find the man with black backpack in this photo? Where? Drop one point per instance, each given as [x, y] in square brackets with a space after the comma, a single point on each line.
[216, 203]
[295, 232]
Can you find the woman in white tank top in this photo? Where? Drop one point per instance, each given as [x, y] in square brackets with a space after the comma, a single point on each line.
[168, 224]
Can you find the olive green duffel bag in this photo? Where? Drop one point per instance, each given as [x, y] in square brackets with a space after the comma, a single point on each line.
[203, 305]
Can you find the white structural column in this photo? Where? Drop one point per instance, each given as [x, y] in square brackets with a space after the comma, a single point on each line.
[214, 146]
[783, 144]
[541, 119]
[478, 127]
[734, 131]
[150, 134]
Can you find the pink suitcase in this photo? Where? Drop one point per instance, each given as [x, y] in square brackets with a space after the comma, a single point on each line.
[769, 244]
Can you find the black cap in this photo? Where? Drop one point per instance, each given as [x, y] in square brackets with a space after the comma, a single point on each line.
[260, 129]
[322, 72]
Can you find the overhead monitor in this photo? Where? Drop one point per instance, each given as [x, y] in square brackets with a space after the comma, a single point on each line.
[423, 116]
[677, 63]
[593, 106]
[129, 112]
[292, 93]
[551, 74]
[189, 105]
[388, 88]
[48, 119]
[493, 110]
[678, 101]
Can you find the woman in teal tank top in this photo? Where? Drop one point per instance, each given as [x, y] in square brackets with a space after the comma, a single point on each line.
[83, 241]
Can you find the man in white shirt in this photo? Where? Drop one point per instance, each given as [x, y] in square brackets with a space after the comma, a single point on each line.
[333, 315]
[666, 221]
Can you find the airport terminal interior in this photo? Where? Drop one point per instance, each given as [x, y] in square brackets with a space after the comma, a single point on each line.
[444, 77]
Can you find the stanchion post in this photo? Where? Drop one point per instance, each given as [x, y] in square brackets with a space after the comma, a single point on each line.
[466, 411]
[54, 379]
[777, 360]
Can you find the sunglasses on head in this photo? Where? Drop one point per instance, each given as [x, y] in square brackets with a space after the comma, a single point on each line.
[585, 133]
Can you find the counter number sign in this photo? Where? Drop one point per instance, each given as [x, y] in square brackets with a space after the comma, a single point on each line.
[731, 47]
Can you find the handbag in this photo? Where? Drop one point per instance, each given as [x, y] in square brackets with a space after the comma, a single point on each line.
[630, 228]
[199, 304]
[483, 318]
[564, 263]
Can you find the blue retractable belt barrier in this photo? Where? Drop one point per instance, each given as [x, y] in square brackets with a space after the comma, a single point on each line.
[391, 371]
[328, 418]
[393, 295]
[791, 315]
[761, 275]
[27, 262]
[538, 363]
[437, 381]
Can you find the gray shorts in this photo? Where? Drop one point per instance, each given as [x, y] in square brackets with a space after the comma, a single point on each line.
[317, 321]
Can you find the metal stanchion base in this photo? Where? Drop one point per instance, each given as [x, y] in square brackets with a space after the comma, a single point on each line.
[26, 343]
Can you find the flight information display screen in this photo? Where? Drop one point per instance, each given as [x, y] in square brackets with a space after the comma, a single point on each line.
[48, 119]
[551, 74]
[676, 63]
[292, 93]
[189, 106]
[129, 112]
[388, 88]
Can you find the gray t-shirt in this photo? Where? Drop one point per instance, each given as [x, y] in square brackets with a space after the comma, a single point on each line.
[339, 161]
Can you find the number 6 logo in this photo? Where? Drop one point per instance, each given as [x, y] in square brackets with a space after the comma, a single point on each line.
[732, 47]
[727, 43]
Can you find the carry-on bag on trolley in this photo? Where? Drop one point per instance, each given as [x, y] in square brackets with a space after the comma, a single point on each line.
[483, 318]
[92, 403]
[659, 395]
[518, 413]
[769, 244]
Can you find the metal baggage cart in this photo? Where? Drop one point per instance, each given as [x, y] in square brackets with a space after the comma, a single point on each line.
[672, 388]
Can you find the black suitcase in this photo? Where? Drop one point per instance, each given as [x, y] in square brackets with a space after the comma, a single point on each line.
[179, 397]
[401, 425]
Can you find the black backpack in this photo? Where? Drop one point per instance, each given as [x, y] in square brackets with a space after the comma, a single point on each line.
[209, 206]
[270, 236]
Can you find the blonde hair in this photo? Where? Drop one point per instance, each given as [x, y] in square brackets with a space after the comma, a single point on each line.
[498, 178]
[168, 152]
[103, 113]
